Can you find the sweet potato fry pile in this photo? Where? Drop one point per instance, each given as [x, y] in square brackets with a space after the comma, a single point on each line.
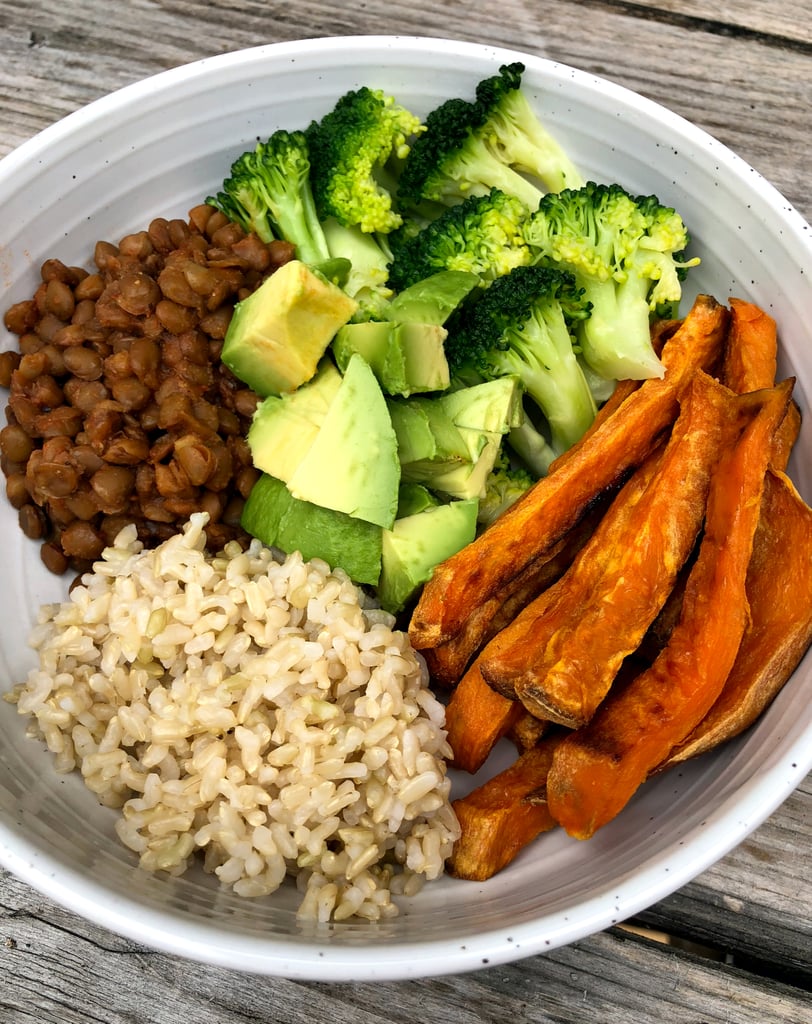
[638, 606]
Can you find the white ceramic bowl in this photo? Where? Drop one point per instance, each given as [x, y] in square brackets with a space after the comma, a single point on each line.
[158, 148]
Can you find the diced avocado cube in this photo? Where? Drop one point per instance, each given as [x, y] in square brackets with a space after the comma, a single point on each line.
[495, 405]
[284, 427]
[434, 299]
[279, 333]
[418, 543]
[406, 357]
[352, 465]
[279, 520]
[414, 498]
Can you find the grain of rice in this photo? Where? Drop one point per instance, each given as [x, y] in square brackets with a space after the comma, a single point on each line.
[251, 712]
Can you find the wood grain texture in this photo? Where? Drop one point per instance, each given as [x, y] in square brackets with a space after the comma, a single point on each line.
[741, 70]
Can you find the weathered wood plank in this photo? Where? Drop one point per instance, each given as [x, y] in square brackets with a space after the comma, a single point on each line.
[756, 899]
[55, 969]
[785, 23]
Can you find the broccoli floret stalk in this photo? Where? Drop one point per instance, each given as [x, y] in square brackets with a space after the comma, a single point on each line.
[521, 325]
[625, 253]
[350, 148]
[514, 132]
[269, 193]
[532, 447]
[505, 485]
[481, 235]
[452, 159]
[369, 255]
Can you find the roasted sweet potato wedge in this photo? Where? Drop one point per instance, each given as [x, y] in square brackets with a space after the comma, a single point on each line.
[596, 770]
[561, 663]
[476, 718]
[779, 592]
[751, 351]
[498, 820]
[751, 348]
[447, 662]
[545, 513]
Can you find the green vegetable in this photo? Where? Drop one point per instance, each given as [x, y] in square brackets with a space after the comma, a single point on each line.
[506, 483]
[350, 148]
[417, 543]
[471, 147]
[279, 333]
[521, 325]
[625, 253]
[352, 465]
[275, 517]
[269, 194]
[481, 235]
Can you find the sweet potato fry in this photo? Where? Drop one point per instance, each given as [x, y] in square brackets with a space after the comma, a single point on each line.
[779, 591]
[596, 770]
[751, 348]
[551, 507]
[750, 360]
[497, 819]
[476, 718]
[447, 662]
[561, 663]
[505, 657]
[527, 730]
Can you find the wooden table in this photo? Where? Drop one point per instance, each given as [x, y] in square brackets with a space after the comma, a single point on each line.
[740, 947]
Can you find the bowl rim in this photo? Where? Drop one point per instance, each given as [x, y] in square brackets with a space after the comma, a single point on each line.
[321, 960]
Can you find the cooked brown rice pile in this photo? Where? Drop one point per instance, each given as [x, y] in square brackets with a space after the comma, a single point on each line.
[257, 709]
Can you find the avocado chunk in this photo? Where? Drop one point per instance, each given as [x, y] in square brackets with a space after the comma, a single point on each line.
[414, 498]
[454, 449]
[417, 543]
[279, 520]
[284, 427]
[434, 299]
[279, 333]
[406, 357]
[352, 465]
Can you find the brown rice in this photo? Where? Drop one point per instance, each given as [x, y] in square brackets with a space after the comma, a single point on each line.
[253, 707]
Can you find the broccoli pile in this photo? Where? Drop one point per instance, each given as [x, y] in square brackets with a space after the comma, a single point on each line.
[495, 295]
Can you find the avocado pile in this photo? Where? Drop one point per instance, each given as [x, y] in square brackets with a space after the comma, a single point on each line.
[371, 458]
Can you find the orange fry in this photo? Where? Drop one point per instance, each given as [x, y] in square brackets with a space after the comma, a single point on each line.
[561, 663]
[552, 506]
[447, 661]
[596, 770]
[476, 718]
[750, 359]
[751, 348]
[779, 592]
[498, 819]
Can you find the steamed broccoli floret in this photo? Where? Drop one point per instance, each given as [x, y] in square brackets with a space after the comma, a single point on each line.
[368, 279]
[452, 160]
[517, 136]
[471, 147]
[625, 252]
[521, 325]
[481, 235]
[505, 485]
[349, 150]
[268, 193]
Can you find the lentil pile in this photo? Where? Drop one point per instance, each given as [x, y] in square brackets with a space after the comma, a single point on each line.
[120, 410]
